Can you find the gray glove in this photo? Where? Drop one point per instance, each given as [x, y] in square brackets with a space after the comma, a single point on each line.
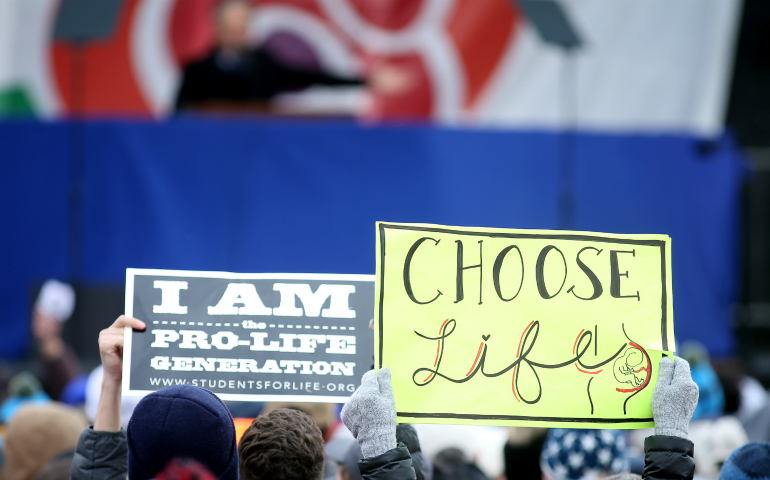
[674, 398]
[370, 414]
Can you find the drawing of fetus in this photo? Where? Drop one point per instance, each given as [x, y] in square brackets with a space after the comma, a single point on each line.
[629, 368]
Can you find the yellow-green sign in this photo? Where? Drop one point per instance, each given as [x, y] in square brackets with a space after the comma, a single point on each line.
[522, 327]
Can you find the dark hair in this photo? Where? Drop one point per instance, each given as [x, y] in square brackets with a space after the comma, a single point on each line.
[285, 444]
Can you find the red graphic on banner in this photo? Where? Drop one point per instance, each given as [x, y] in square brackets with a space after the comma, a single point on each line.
[471, 38]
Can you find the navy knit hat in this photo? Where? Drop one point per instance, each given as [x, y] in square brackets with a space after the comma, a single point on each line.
[749, 462]
[181, 421]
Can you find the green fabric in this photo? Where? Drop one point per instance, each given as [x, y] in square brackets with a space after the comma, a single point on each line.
[15, 102]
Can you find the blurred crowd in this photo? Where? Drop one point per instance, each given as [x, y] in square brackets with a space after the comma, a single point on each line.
[45, 426]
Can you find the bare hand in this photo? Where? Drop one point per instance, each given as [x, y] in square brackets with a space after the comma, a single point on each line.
[45, 326]
[111, 347]
[389, 79]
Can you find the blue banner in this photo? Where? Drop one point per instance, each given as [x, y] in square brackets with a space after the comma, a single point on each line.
[303, 197]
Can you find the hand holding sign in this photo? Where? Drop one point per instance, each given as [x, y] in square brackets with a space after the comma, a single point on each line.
[111, 347]
[370, 414]
[111, 351]
[674, 398]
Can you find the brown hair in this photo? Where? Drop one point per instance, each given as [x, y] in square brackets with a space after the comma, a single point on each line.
[283, 444]
[321, 413]
[38, 433]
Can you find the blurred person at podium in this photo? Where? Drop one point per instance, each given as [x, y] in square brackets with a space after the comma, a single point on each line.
[236, 76]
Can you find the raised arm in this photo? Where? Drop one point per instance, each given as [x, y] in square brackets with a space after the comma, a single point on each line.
[102, 452]
[370, 414]
[669, 453]
[111, 350]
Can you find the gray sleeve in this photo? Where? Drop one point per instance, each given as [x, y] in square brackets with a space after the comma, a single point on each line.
[100, 456]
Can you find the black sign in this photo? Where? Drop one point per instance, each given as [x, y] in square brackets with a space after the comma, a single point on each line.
[260, 337]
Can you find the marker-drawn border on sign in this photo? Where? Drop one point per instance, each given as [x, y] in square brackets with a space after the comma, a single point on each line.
[501, 234]
[129, 312]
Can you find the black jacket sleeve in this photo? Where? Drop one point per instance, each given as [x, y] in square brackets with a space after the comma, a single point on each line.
[292, 77]
[196, 85]
[395, 464]
[100, 456]
[668, 458]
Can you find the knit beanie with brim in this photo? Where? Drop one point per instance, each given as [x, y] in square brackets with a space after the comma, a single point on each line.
[749, 462]
[181, 421]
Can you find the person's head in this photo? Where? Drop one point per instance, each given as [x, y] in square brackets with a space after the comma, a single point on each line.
[57, 469]
[407, 435]
[711, 397]
[181, 421]
[453, 464]
[24, 389]
[749, 462]
[343, 473]
[572, 454]
[715, 441]
[322, 413]
[36, 435]
[284, 444]
[346, 453]
[231, 19]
